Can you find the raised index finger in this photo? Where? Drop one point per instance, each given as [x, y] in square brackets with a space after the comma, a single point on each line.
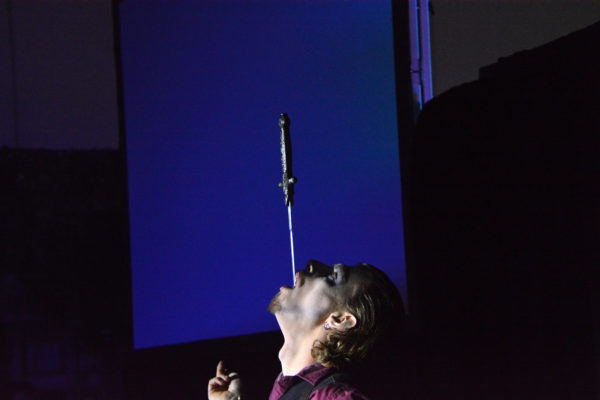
[221, 371]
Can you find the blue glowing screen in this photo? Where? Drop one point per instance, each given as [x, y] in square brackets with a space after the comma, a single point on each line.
[204, 84]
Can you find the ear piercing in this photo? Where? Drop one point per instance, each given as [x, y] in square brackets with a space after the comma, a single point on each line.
[327, 327]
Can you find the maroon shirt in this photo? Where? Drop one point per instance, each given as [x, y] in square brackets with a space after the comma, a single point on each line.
[313, 374]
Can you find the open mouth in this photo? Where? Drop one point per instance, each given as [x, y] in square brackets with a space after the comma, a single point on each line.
[299, 281]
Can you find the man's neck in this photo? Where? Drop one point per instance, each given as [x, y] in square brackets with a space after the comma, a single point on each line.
[296, 352]
[295, 357]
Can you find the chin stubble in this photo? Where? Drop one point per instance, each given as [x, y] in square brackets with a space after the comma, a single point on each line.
[274, 306]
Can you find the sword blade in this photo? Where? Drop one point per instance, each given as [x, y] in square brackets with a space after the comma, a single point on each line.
[292, 244]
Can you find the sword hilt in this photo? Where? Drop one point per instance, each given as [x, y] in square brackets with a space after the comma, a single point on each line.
[288, 180]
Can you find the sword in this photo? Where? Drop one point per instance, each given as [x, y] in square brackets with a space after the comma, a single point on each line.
[288, 179]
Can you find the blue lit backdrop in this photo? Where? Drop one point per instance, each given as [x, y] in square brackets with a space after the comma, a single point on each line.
[204, 83]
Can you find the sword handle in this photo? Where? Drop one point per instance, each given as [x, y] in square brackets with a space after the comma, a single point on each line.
[288, 180]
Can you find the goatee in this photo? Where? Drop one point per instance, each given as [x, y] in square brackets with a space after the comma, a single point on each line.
[274, 306]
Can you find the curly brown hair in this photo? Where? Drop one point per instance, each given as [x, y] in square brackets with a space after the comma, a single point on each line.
[377, 306]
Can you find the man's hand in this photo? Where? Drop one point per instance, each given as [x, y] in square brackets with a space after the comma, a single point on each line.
[225, 386]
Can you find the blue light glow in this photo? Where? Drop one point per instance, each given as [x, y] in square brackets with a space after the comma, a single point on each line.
[204, 84]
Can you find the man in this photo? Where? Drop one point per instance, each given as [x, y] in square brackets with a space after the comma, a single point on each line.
[331, 318]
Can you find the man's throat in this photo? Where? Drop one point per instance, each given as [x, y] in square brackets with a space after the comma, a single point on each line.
[295, 355]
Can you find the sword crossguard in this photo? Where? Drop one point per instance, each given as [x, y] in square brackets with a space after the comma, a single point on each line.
[291, 181]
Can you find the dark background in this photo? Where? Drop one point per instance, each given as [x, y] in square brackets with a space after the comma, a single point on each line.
[501, 217]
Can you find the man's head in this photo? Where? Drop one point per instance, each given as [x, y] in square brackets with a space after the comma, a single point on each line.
[353, 305]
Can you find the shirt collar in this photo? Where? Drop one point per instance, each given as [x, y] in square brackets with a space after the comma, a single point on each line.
[314, 373]
[311, 374]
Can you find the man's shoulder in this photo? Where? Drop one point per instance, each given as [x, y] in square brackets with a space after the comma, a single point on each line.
[337, 391]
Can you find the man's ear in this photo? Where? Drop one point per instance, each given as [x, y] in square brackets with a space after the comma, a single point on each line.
[341, 321]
